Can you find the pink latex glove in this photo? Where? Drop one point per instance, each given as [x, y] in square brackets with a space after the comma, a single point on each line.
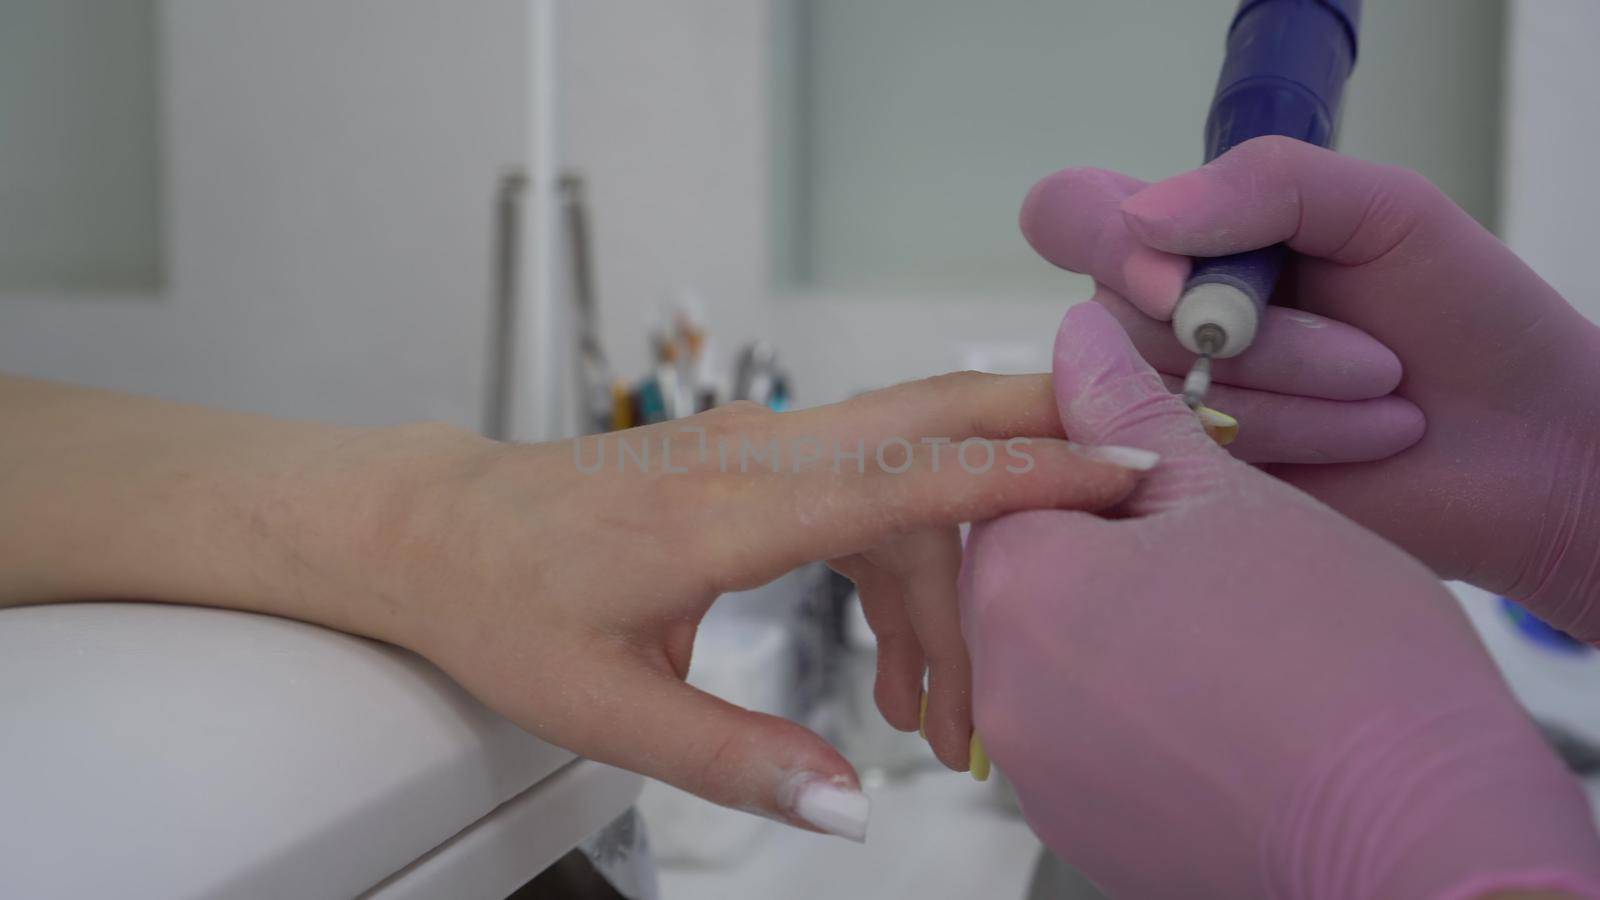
[1233, 691]
[1503, 490]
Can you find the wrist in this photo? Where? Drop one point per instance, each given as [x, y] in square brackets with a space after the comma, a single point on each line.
[109, 496]
[1455, 802]
[117, 497]
[300, 520]
[358, 523]
[283, 518]
[1530, 894]
[1563, 587]
[1559, 577]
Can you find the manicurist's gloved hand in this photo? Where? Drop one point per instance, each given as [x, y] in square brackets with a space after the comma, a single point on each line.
[1503, 489]
[1229, 690]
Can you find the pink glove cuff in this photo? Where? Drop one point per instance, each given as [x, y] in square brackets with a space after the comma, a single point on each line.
[1435, 804]
[1562, 582]
[1531, 880]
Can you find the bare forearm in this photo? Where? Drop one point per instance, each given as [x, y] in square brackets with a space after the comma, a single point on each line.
[104, 495]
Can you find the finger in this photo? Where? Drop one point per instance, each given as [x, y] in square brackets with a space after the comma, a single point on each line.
[1073, 219]
[642, 719]
[1276, 428]
[926, 564]
[897, 686]
[839, 506]
[954, 406]
[1276, 189]
[1107, 394]
[1294, 353]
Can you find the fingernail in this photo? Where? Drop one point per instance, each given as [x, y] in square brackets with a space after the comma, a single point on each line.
[1164, 202]
[978, 759]
[922, 716]
[1143, 209]
[832, 805]
[1126, 457]
[1222, 427]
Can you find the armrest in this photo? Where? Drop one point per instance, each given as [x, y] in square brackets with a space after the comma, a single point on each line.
[157, 750]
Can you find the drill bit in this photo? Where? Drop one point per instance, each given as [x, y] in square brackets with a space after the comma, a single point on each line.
[1209, 338]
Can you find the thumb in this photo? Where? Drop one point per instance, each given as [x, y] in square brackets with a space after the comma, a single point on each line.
[673, 732]
[1108, 395]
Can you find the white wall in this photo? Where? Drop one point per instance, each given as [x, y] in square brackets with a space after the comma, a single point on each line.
[331, 170]
[663, 109]
[1552, 184]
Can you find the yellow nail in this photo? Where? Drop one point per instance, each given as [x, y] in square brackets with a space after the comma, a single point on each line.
[1222, 427]
[978, 759]
[922, 717]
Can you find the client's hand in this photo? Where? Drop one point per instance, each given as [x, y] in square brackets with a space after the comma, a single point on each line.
[562, 584]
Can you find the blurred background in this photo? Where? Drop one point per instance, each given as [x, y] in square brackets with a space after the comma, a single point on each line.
[523, 216]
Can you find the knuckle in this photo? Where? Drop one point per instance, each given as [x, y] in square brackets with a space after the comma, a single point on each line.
[1269, 147]
[1406, 192]
[966, 378]
[934, 388]
[1128, 402]
[1274, 143]
[736, 419]
[1274, 154]
[1089, 178]
[1399, 201]
[1402, 180]
[726, 755]
[738, 408]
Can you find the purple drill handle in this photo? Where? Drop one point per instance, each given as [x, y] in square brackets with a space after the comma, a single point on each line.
[1284, 73]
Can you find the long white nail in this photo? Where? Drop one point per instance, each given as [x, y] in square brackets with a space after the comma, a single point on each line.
[1126, 457]
[830, 804]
